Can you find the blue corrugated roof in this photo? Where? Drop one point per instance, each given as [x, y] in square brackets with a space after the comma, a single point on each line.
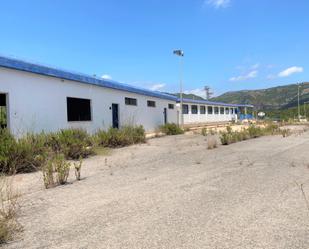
[206, 102]
[83, 78]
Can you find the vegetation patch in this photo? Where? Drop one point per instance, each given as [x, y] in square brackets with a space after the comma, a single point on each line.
[229, 136]
[72, 143]
[124, 136]
[171, 129]
[8, 210]
[34, 151]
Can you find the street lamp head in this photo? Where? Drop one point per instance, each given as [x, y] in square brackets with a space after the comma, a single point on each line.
[179, 52]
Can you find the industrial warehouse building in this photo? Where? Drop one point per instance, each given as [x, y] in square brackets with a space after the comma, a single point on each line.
[35, 98]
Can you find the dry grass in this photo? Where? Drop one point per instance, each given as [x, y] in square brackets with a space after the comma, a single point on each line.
[8, 210]
[211, 142]
[78, 168]
[56, 166]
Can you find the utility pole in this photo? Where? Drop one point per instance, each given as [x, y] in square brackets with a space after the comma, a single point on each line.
[208, 92]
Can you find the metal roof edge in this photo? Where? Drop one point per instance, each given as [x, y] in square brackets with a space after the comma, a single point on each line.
[207, 102]
[41, 69]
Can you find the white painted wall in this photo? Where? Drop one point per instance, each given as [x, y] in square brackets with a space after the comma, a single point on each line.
[38, 103]
[208, 118]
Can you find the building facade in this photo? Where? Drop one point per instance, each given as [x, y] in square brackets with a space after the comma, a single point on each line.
[202, 111]
[36, 98]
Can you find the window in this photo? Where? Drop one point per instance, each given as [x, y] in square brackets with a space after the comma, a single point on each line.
[185, 109]
[227, 111]
[216, 110]
[221, 110]
[194, 109]
[151, 103]
[170, 106]
[202, 109]
[232, 110]
[130, 101]
[209, 110]
[78, 109]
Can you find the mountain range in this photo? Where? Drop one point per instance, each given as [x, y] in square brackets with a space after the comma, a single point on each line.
[274, 98]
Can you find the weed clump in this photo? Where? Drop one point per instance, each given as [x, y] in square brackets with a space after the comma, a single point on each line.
[8, 210]
[124, 136]
[78, 167]
[230, 136]
[22, 155]
[171, 129]
[72, 143]
[56, 171]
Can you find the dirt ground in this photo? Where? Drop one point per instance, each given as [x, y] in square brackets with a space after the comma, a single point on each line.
[174, 193]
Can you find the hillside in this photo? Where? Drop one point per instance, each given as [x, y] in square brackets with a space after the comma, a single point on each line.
[280, 97]
[188, 96]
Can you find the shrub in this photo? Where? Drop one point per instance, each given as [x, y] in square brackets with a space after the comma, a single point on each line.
[225, 138]
[254, 131]
[48, 174]
[285, 132]
[8, 210]
[124, 136]
[7, 144]
[171, 129]
[29, 154]
[56, 165]
[73, 143]
[204, 132]
[24, 155]
[62, 169]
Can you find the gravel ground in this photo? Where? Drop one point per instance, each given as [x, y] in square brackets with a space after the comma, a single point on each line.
[174, 193]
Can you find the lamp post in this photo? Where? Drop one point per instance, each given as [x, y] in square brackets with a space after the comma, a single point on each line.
[181, 54]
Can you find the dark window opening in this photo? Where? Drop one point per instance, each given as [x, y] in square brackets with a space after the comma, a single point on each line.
[194, 109]
[130, 101]
[209, 109]
[202, 109]
[216, 110]
[232, 111]
[170, 106]
[78, 109]
[151, 103]
[227, 111]
[185, 109]
[221, 110]
[3, 111]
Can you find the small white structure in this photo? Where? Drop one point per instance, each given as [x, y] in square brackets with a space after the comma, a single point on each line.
[36, 98]
[202, 111]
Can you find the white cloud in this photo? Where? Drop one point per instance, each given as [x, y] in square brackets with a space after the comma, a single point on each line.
[289, 71]
[251, 75]
[218, 3]
[106, 77]
[157, 87]
[199, 92]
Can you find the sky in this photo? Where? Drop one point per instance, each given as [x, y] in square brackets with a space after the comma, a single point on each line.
[228, 45]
